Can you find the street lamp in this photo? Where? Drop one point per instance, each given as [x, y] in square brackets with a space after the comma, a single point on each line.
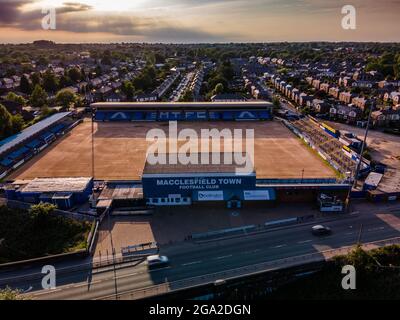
[357, 171]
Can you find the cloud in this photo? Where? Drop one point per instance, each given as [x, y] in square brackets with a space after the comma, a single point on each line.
[73, 7]
[10, 10]
[203, 20]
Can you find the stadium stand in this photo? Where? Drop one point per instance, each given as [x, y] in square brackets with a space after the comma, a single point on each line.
[15, 150]
[240, 111]
[326, 142]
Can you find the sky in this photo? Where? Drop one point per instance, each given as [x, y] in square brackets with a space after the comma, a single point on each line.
[198, 21]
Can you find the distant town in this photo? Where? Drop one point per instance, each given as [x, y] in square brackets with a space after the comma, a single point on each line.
[81, 193]
[339, 82]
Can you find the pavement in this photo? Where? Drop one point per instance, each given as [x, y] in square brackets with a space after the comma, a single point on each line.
[190, 260]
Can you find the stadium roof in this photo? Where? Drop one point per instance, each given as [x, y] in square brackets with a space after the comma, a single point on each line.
[41, 185]
[220, 167]
[181, 105]
[26, 134]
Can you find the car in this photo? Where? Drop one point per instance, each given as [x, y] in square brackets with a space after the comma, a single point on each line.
[320, 230]
[157, 261]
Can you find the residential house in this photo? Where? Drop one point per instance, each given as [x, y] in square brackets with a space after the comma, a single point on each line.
[228, 97]
[295, 95]
[147, 97]
[345, 113]
[320, 106]
[346, 97]
[334, 92]
[362, 103]
[362, 84]
[325, 87]
[378, 118]
[316, 84]
[7, 84]
[304, 99]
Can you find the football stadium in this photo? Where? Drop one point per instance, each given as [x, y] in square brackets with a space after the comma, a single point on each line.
[112, 150]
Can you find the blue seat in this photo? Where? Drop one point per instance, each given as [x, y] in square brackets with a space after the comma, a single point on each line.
[6, 162]
[99, 116]
[34, 144]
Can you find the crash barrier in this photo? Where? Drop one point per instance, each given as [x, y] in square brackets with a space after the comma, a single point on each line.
[218, 234]
[140, 249]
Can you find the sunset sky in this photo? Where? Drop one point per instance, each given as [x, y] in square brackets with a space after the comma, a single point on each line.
[192, 21]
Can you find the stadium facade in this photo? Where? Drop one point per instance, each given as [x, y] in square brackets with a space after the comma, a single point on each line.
[182, 111]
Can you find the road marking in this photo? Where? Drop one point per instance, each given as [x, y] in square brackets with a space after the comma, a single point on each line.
[251, 251]
[46, 292]
[349, 233]
[223, 257]
[305, 241]
[191, 263]
[279, 246]
[28, 290]
[375, 229]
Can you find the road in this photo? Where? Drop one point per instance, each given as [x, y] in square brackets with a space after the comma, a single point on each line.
[190, 260]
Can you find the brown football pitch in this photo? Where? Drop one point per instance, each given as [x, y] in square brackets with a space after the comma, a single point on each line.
[120, 152]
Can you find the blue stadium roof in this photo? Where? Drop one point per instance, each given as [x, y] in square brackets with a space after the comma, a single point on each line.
[24, 135]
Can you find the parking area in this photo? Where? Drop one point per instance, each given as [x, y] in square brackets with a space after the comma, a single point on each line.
[383, 148]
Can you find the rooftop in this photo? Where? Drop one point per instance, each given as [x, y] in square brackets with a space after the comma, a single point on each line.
[182, 105]
[26, 134]
[218, 167]
[40, 185]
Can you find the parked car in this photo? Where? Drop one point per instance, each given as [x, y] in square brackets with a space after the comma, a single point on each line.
[320, 230]
[157, 261]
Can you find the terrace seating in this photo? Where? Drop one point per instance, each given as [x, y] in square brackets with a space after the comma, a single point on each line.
[48, 137]
[19, 154]
[34, 144]
[58, 128]
[6, 162]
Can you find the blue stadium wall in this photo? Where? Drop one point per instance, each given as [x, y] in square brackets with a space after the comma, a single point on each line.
[76, 198]
[200, 115]
[205, 187]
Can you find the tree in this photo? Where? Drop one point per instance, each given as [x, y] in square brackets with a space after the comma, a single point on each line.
[128, 89]
[276, 103]
[10, 294]
[38, 97]
[17, 123]
[41, 211]
[5, 122]
[50, 82]
[25, 86]
[75, 74]
[187, 96]
[11, 96]
[36, 79]
[45, 110]
[219, 88]
[66, 98]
